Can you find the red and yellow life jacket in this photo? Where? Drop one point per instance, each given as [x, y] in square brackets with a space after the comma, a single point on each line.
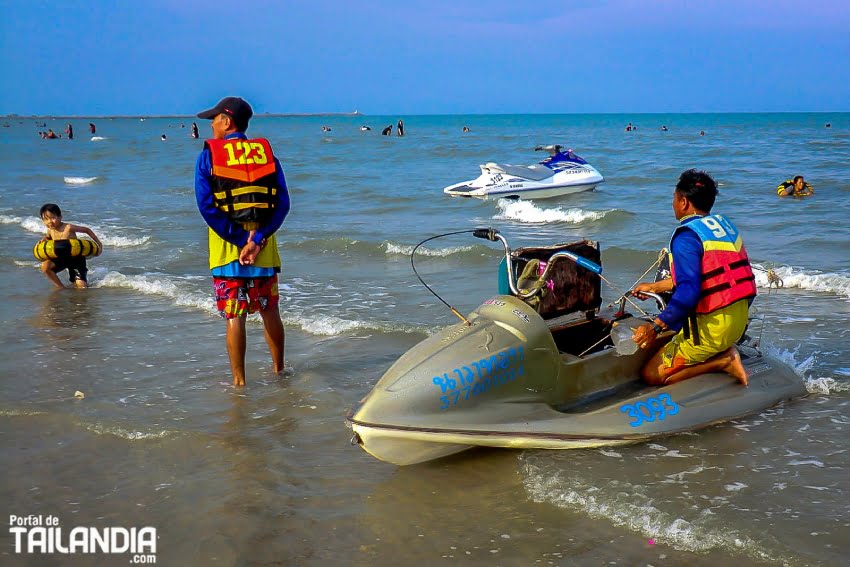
[244, 179]
[726, 273]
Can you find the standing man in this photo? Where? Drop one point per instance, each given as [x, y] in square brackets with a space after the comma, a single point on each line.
[712, 284]
[241, 194]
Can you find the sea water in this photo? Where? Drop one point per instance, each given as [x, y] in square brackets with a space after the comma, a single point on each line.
[266, 474]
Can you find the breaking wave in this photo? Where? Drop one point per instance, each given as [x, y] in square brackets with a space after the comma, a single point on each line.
[838, 284]
[79, 180]
[106, 235]
[528, 212]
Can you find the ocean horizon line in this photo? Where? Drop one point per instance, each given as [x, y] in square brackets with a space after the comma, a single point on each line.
[361, 114]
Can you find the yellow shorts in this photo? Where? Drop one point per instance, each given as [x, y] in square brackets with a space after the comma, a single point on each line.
[717, 332]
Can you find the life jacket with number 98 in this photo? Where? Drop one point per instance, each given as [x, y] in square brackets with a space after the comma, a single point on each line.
[726, 273]
[244, 180]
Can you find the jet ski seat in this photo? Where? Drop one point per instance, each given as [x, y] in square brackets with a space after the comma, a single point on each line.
[534, 172]
[570, 291]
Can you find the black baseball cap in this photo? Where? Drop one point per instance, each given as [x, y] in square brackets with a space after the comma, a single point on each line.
[232, 106]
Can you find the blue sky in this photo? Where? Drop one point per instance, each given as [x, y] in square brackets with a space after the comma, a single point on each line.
[405, 57]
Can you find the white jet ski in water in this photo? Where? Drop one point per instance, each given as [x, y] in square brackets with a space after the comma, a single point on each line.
[562, 173]
[537, 367]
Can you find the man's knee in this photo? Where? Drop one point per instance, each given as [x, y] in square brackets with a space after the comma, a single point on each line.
[651, 374]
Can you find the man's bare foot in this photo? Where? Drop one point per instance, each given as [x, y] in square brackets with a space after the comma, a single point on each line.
[238, 382]
[734, 367]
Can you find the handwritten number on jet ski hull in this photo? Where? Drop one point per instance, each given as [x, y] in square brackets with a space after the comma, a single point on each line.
[479, 376]
[651, 409]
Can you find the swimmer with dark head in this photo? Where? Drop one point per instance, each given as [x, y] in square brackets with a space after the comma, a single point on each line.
[797, 187]
[388, 131]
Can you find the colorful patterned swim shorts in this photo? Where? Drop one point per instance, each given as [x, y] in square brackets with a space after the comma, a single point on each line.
[236, 297]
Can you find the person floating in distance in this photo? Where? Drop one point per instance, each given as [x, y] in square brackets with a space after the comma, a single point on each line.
[712, 284]
[797, 187]
[388, 131]
[400, 128]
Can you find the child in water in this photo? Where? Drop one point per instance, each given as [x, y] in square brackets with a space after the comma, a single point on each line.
[58, 230]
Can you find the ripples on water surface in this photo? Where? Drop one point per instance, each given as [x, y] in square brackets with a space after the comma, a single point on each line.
[266, 474]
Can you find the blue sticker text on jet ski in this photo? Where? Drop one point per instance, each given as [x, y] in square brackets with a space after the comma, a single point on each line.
[479, 376]
[647, 411]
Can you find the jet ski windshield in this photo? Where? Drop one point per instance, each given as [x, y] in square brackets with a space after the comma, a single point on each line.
[563, 158]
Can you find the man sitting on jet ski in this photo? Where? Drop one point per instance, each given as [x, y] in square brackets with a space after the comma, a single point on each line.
[712, 284]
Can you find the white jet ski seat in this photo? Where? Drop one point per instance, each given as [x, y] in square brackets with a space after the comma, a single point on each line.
[536, 172]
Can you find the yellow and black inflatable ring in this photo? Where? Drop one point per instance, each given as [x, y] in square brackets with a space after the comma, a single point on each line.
[789, 184]
[53, 249]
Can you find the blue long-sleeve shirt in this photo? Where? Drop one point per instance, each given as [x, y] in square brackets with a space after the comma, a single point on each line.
[221, 224]
[686, 248]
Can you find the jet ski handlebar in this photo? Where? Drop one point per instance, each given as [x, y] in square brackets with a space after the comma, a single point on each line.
[659, 300]
[488, 234]
[493, 235]
[553, 149]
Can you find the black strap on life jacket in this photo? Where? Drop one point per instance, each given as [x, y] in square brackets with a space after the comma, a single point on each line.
[690, 329]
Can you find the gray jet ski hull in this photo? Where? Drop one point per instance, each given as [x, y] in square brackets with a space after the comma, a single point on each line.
[510, 381]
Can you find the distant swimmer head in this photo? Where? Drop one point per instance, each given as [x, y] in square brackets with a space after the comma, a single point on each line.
[663, 128]
[466, 128]
[702, 132]
[326, 128]
[230, 115]
[364, 128]
[163, 138]
[828, 125]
